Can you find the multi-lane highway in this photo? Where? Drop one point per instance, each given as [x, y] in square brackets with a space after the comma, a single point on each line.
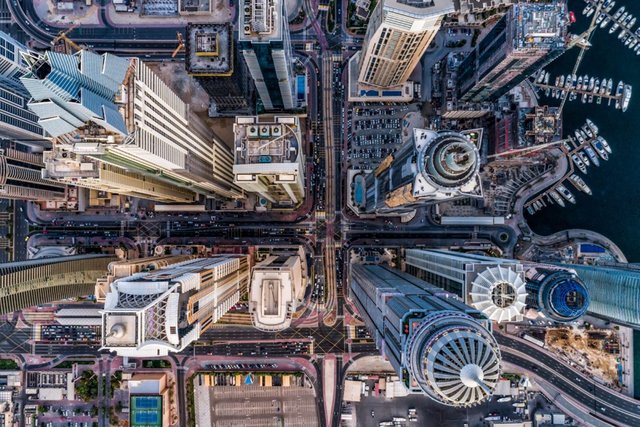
[595, 397]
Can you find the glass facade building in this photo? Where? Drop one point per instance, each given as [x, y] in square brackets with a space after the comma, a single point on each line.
[439, 346]
[614, 292]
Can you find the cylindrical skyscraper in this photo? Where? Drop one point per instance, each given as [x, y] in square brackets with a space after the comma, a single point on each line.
[437, 345]
[558, 293]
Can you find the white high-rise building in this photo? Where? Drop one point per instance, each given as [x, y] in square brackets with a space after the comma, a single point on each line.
[398, 34]
[269, 160]
[157, 312]
[119, 112]
[431, 166]
[277, 286]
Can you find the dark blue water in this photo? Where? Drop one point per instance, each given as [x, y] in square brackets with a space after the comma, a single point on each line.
[614, 208]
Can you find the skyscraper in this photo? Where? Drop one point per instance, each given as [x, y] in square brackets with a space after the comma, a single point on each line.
[16, 120]
[129, 267]
[21, 175]
[157, 312]
[398, 34]
[437, 345]
[429, 167]
[558, 293]
[266, 48]
[501, 288]
[119, 112]
[278, 285]
[614, 291]
[494, 286]
[33, 282]
[525, 39]
[269, 160]
[213, 59]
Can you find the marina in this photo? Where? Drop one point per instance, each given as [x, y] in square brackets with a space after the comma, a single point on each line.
[584, 148]
[622, 22]
[586, 88]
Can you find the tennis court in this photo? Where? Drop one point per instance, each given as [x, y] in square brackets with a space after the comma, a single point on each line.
[146, 411]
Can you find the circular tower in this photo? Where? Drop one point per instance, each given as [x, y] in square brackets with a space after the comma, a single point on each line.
[449, 160]
[454, 359]
[499, 292]
[562, 296]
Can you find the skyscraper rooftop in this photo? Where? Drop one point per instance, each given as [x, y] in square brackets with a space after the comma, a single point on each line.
[70, 90]
[209, 50]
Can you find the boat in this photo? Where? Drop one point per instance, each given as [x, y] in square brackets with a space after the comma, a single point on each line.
[632, 23]
[580, 184]
[608, 7]
[596, 87]
[637, 32]
[584, 134]
[568, 81]
[586, 129]
[574, 80]
[547, 76]
[531, 210]
[540, 77]
[628, 40]
[633, 43]
[592, 155]
[561, 84]
[587, 8]
[600, 18]
[605, 144]
[637, 49]
[599, 100]
[597, 145]
[626, 97]
[584, 158]
[625, 22]
[622, 18]
[556, 83]
[556, 198]
[579, 85]
[619, 91]
[579, 163]
[565, 193]
[606, 21]
[578, 136]
[625, 37]
[567, 146]
[592, 82]
[614, 27]
[618, 13]
[609, 86]
[592, 126]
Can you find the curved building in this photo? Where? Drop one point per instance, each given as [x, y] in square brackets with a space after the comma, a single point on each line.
[161, 311]
[614, 291]
[28, 283]
[430, 167]
[437, 345]
[496, 287]
[21, 175]
[278, 284]
[559, 294]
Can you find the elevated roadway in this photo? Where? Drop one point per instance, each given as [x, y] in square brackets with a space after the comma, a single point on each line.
[599, 399]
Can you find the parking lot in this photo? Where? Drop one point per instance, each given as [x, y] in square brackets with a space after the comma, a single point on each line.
[374, 133]
[159, 7]
[66, 333]
[222, 401]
